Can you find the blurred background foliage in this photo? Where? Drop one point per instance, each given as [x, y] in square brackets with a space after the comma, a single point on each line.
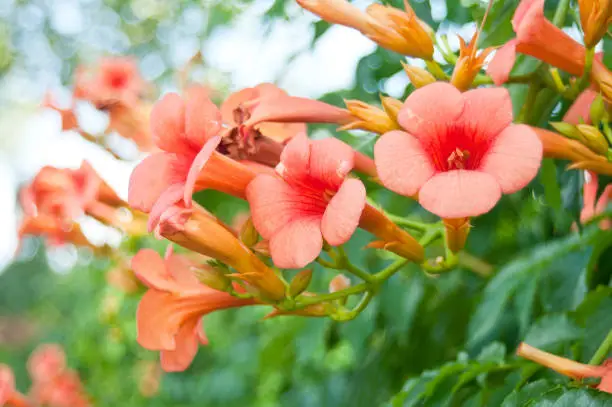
[426, 341]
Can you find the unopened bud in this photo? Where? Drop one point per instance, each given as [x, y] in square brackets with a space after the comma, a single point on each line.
[392, 106]
[598, 111]
[419, 77]
[248, 233]
[369, 118]
[300, 282]
[593, 139]
[339, 283]
[262, 247]
[213, 277]
[595, 18]
[567, 129]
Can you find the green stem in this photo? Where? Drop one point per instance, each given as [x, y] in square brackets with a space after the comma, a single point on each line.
[343, 262]
[408, 223]
[384, 274]
[532, 94]
[356, 289]
[430, 236]
[478, 266]
[588, 65]
[561, 12]
[352, 314]
[602, 352]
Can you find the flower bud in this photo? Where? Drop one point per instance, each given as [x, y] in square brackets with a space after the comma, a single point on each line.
[419, 77]
[339, 283]
[213, 276]
[400, 31]
[598, 112]
[300, 282]
[567, 129]
[593, 139]
[595, 16]
[392, 106]
[457, 231]
[369, 118]
[248, 234]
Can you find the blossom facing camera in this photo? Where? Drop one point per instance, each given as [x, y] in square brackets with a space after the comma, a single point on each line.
[310, 199]
[457, 153]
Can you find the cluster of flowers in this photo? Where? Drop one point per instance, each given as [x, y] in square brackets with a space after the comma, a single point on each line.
[451, 146]
[53, 383]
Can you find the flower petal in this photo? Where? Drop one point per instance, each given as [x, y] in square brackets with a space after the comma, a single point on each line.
[234, 101]
[149, 268]
[295, 158]
[186, 340]
[341, 217]
[580, 110]
[502, 63]
[179, 268]
[197, 165]
[514, 158]
[402, 164]
[487, 111]
[173, 194]
[202, 117]
[274, 204]
[460, 194]
[430, 107]
[297, 243]
[330, 161]
[152, 177]
[168, 124]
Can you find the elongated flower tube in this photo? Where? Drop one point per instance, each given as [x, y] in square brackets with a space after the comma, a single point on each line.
[55, 232]
[169, 316]
[312, 199]
[560, 147]
[68, 117]
[567, 367]
[197, 230]
[391, 28]
[9, 396]
[538, 37]
[458, 152]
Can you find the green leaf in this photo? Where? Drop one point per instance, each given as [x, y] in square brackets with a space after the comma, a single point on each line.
[548, 178]
[551, 331]
[492, 312]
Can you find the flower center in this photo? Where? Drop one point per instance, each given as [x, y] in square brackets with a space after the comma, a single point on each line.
[457, 160]
[118, 80]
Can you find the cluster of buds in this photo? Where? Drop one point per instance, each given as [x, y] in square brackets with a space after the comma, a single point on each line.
[53, 383]
[56, 200]
[115, 87]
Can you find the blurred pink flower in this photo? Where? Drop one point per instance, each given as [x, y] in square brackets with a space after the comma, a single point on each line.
[311, 199]
[459, 152]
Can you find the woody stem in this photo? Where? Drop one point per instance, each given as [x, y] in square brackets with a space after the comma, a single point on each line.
[602, 351]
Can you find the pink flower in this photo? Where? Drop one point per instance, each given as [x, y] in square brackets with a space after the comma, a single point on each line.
[311, 199]
[9, 396]
[538, 37]
[459, 152]
[169, 316]
[591, 205]
[580, 110]
[187, 131]
[46, 362]
[115, 79]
